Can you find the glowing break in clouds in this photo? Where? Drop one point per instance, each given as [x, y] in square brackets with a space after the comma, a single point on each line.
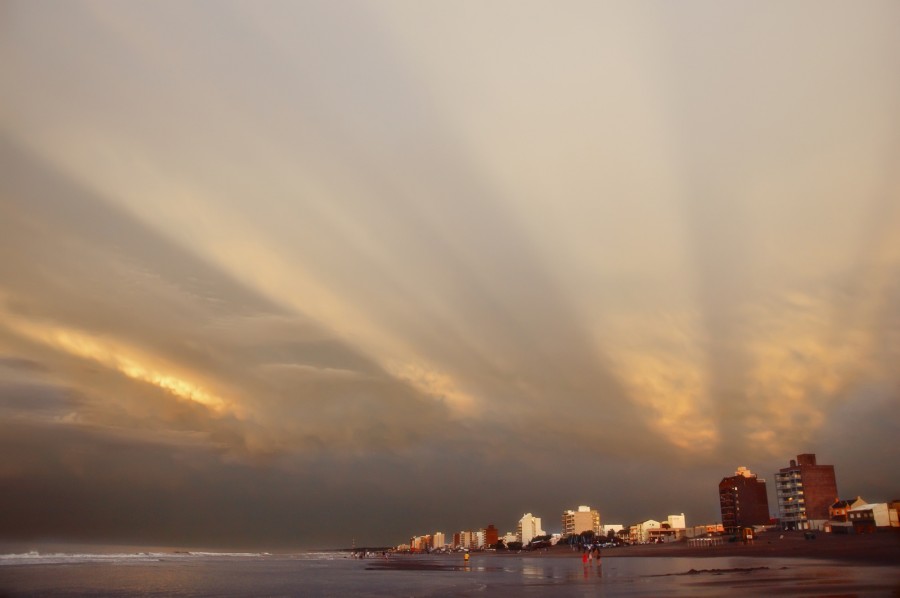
[435, 384]
[673, 389]
[119, 357]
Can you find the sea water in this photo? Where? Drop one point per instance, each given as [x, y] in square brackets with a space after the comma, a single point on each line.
[203, 573]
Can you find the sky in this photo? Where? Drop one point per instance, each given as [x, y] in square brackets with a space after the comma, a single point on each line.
[295, 274]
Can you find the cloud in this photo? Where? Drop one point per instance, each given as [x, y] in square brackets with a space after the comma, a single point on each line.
[450, 262]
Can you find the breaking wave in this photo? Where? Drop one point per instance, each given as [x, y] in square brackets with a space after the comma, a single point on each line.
[55, 558]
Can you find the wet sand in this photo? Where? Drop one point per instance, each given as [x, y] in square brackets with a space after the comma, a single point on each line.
[788, 568]
[558, 572]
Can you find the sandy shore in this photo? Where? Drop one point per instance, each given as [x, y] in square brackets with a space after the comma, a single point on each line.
[876, 549]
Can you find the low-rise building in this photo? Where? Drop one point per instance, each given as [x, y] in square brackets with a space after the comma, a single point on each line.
[699, 531]
[868, 518]
[839, 510]
[615, 528]
[665, 534]
[677, 521]
[639, 533]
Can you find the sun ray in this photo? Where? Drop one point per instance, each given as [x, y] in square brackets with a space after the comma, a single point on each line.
[117, 356]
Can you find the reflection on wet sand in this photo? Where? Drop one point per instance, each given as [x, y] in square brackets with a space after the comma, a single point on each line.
[672, 576]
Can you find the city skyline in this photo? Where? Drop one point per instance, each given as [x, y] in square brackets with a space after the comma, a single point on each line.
[287, 274]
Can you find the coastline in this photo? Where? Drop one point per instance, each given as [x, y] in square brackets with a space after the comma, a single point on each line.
[881, 548]
[838, 566]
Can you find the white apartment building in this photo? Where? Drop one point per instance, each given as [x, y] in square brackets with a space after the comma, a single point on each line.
[529, 527]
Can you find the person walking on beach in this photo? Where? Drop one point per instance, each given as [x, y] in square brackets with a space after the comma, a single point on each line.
[584, 557]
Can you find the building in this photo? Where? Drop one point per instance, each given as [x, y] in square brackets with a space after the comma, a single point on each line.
[665, 534]
[676, 521]
[584, 519]
[639, 533]
[805, 490]
[529, 527]
[615, 528]
[670, 530]
[866, 519]
[743, 500]
[466, 540]
[700, 531]
[839, 510]
[438, 541]
[491, 535]
[478, 539]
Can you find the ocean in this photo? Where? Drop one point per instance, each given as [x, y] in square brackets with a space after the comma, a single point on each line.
[167, 573]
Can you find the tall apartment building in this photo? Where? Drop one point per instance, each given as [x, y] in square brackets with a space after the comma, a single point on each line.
[467, 539]
[805, 490]
[478, 538]
[529, 527]
[491, 535]
[743, 500]
[583, 520]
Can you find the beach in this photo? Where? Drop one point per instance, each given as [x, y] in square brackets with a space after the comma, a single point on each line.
[845, 566]
[876, 549]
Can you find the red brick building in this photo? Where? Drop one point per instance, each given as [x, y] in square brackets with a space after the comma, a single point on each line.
[805, 491]
[743, 500]
[491, 535]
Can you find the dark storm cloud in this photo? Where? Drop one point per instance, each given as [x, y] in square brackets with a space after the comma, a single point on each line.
[20, 364]
[34, 398]
[298, 274]
[282, 367]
